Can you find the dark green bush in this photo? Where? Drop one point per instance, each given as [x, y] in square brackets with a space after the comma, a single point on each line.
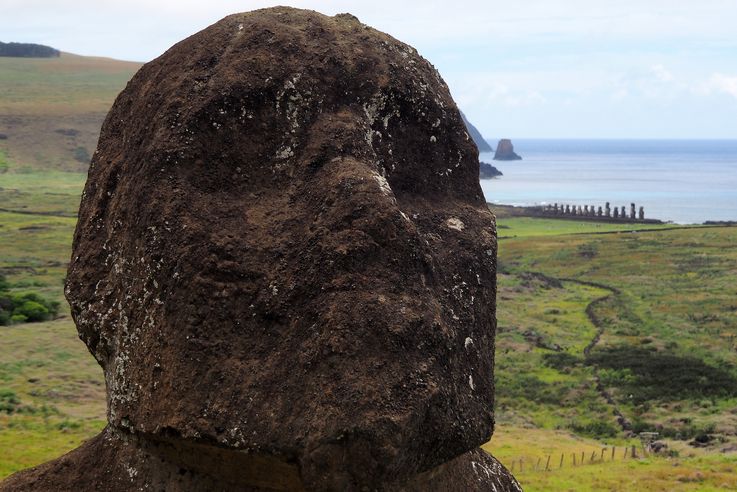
[24, 307]
[598, 429]
[531, 388]
[684, 432]
[32, 311]
[561, 360]
[9, 401]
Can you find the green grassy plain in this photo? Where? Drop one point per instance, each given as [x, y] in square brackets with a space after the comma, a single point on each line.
[668, 292]
[593, 318]
[521, 227]
[663, 305]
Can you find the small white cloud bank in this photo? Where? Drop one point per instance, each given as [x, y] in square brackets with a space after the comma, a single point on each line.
[720, 82]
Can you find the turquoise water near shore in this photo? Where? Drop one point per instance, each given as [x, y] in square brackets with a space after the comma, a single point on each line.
[684, 181]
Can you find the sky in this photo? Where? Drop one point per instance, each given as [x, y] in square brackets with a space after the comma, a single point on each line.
[517, 68]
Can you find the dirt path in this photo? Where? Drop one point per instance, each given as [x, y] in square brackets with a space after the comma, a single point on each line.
[622, 421]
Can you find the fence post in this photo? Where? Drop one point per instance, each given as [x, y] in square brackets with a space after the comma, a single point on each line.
[625, 452]
[614, 448]
[583, 457]
[634, 451]
[547, 464]
[602, 454]
[561, 461]
[593, 456]
[537, 465]
[574, 458]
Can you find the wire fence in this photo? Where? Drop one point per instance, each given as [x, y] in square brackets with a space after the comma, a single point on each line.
[556, 461]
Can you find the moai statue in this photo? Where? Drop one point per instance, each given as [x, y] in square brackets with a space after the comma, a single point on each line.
[616, 212]
[592, 210]
[568, 210]
[633, 214]
[624, 214]
[599, 212]
[230, 363]
[585, 209]
[580, 210]
[642, 213]
[607, 210]
[555, 209]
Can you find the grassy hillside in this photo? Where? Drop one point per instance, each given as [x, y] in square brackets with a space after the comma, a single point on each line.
[51, 109]
[662, 295]
[601, 326]
[52, 394]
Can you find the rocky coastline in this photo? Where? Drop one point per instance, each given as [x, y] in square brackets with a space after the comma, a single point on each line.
[487, 171]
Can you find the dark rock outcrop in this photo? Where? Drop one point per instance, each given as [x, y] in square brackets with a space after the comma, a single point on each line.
[285, 289]
[475, 134]
[505, 151]
[487, 171]
[28, 50]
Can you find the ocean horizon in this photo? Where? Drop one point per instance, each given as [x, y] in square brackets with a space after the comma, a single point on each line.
[682, 181]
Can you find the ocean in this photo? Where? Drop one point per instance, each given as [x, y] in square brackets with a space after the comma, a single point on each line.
[683, 181]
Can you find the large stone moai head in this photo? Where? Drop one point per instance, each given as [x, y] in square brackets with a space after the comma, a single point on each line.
[283, 248]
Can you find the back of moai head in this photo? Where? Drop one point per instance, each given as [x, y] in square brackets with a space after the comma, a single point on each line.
[283, 249]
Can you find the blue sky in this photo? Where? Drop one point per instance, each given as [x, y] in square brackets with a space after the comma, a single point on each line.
[524, 68]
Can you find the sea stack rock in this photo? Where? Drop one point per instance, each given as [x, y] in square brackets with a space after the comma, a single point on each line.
[505, 151]
[285, 265]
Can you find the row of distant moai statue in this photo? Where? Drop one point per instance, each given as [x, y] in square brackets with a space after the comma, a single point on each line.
[591, 211]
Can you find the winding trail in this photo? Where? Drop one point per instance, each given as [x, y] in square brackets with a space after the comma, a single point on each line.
[622, 421]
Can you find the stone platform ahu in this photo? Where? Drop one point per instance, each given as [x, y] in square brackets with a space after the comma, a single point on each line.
[286, 268]
[590, 211]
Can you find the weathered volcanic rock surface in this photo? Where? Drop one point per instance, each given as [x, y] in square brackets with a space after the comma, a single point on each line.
[505, 151]
[285, 265]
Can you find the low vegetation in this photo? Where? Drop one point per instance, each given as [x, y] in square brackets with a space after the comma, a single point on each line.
[594, 320]
[637, 325]
[21, 307]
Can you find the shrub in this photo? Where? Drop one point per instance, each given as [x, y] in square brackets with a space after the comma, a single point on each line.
[561, 360]
[20, 308]
[598, 429]
[32, 311]
[9, 401]
[4, 285]
[81, 154]
[587, 250]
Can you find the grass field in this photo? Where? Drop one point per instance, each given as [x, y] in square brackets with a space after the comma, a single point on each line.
[599, 324]
[667, 292]
[650, 319]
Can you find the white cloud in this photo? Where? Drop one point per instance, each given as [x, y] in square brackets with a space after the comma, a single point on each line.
[723, 83]
[661, 73]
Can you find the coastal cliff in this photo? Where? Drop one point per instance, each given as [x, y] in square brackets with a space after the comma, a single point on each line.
[476, 136]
